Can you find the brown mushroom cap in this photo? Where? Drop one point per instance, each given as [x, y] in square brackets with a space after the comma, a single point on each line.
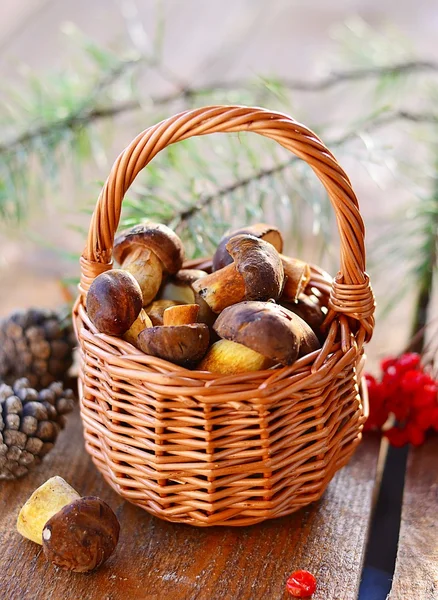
[158, 238]
[82, 535]
[262, 231]
[310, 311]
[114, 301]
[260, 266]
[183, 345]
[268, 329]
[188, 276]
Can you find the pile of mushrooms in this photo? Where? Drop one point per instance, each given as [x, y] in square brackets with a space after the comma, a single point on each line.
[251, 312]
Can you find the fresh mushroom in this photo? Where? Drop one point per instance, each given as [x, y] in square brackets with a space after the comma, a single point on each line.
[114, 301]
[256, 274]
[141, 322]
[265, 232]
[147, 251]
[268, 329]
[296, 275]
[228, 358]
[155, 310]
[181, 343]
[180, 289]
[310, 311]
[78, 534]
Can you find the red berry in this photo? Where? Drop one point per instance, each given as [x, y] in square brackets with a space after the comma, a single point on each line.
[424, 419]
[390, 382]
[416, 436]
[387, 362]
[412, 381]
[426, 396]
[408, 361]
[397, 437]
[301, 584]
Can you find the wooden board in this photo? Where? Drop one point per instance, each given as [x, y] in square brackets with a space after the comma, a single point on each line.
[157, 560]
[416, 569]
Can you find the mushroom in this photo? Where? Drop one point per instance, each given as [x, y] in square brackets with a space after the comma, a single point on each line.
[181, 343]
[78, 534]
[256, 274]
[311, 312]
[141, 322]
[156, 309]
[268, 329]
[147, 251]
[180, 289]
[297, 276]
[228, 358]
[265, 232]
[114, 301]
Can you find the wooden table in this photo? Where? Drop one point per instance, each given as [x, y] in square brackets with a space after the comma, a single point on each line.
[156, 560]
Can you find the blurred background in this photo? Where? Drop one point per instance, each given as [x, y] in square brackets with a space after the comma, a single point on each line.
[81, 79]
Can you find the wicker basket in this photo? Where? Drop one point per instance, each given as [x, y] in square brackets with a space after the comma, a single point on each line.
[199, 448]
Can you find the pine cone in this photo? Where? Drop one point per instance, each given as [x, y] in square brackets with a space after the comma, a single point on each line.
[35, 344]
[29, 424]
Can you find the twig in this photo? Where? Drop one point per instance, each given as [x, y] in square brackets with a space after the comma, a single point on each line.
[179, 219]
[85, 115]
[339, 77]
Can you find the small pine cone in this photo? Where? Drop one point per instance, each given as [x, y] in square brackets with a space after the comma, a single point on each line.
[30, 422]
[35, 344]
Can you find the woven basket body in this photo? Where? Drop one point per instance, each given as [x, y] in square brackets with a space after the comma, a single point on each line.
[203, 449]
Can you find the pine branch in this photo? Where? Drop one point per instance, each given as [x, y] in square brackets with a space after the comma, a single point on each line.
[85, 115]
[181, 218]
[82, 116]
[339, 77]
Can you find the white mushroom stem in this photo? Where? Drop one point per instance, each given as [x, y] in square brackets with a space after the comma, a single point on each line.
[147, 269]
[45, 502]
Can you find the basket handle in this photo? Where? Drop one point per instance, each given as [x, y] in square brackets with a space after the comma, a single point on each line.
[351, 293]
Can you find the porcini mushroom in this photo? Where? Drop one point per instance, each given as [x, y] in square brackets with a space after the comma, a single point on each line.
[296, 276]
[310, 311]
[181, 343]
[256, 274]
[141, 322]
[147, 251]
[114, 301]
[265, 232]
[266, 328]
[228, 358]
[77, 534]
[179, 288]
[156, 309]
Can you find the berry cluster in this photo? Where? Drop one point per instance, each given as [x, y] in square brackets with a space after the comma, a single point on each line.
[410, 394]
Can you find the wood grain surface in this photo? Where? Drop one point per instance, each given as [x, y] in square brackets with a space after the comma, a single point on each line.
[156, 560]
[416, 569]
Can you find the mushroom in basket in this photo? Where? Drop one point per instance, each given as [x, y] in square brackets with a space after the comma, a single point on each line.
[296, 271]
[147, 251]
[256, 274]
[257, 335]
[180, 339]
